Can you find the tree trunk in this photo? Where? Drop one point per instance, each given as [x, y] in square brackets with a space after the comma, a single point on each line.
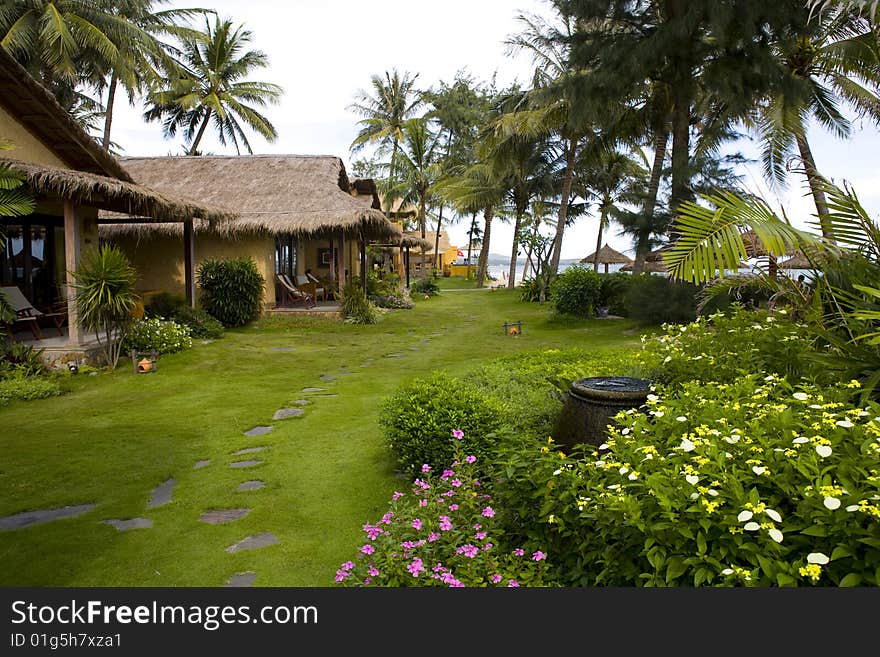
[570, 156]
[514, 254]
[814, 179]
[471, 242]
[681, 135]
[389, 202]
[603, 217]
[108, 109]
[201, 133]
[438, 259]
[483, 264]
[660, 142]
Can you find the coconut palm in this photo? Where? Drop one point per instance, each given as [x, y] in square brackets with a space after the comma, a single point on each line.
[417, 162]
[213, 88]
[394, 101]
[14, 201]
[832, 61]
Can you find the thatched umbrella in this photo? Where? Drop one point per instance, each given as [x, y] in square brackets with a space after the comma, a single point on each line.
[653, 267]
[797, 261]
[607, 256]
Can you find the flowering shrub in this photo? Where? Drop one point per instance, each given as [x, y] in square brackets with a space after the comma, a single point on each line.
[755, 482]
[442, 533]
[165, 336]
[577, 291]
[725, 347]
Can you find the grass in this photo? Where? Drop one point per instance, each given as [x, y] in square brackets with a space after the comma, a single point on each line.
[115, 436]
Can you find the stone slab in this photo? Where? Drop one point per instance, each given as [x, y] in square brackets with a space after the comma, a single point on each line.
[287, 413]
[245, 464]
[253, 542]
[327, 377]
[313, 389]
[30, 518]
[249, 450]
[283, 348]
[204, 463]
[161, 494]
[223, 516]
[395, 355]
[258, 431]
[241, 580]
[301, 402]
[251, 485]
[131, 523]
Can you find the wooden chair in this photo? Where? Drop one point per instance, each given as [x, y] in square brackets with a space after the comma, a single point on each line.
[310, 285]
[292, 295]
[25, 313]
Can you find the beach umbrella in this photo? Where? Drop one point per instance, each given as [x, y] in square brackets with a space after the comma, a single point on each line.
[797, 261]
[607, 256]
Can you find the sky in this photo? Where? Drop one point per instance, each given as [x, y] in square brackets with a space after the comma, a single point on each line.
[323, 52]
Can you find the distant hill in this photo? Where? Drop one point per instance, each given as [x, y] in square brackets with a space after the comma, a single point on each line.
[496, 260]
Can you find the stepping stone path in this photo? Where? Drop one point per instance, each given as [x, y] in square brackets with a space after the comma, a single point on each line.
[223, 516]
[251, 485]
[249, 450]
[29, 518]
[313, 389]
[286, 413]
[254, 542]
[258, 431]
[245, 464]
[393, 355]
[131, 523]
[327, 377]
[241, 580]
[301, 402]
[161, 494]
[202, 464]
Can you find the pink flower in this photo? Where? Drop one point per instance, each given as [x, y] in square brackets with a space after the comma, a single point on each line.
[439, 568]
[480, 536]
[433, 536]
[373, 571]
[416, 567]
[456, 482]
[417, 523]
[368, 549]
[341, 575]
[449, 493]
[421, 484]
[367, 581]
[458, 434]
[372, 531]
[470, 459]
[539, 556]
[470, 551]
[447, 474]
[478, 527]
[496, 578]
[489, 512]
[423, 502]
[387, 518]
[456, 584]
[453, 507]
[512, 583]
[426, 467]
[519, 552]
[487, 547]
[348, 565]
[445, 523]
[397, 495]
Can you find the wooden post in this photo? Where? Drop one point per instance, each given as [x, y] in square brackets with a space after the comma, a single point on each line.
[400, 273]
[72, 228]
[343, 262]
[333, 263]
[189, 258]
[407, 266]
[363, 262]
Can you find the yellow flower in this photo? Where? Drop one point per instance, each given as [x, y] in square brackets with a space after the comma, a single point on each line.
[812, 570]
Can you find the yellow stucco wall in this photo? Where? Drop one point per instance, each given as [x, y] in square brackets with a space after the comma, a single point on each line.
[27, 147]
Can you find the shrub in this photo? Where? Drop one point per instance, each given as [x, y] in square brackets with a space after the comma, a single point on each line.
[530, 290]
[19, 386]
[442, 533]
[165, 336]
[614, 292]
[753, 483]
[419, 418]
[164, 305]
[356, 308]
[232, 290]
[201, 324]
[396, 300]
[658, 300]
[577, 291]
[425, 287]
[18, 359]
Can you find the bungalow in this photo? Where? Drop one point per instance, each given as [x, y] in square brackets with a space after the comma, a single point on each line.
[294, 214]
[72, 179]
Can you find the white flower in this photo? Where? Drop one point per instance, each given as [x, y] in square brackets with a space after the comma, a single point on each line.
[745, 515]
[818, 558]
[816, 407]
[653, 398]
[769, 377]
[801, 396]
[632, 476]
[648, 457]
[623, 470]
[658, 413]
[603, 446]
[823, 450]
[599, 464]
[733, 440]
[625, 431]
[727, 571]
[557, 472]
[759, 469]
[712, 492]
[831, 503]
[852, 507]
[752, 527]
[774, 515]
[687, 445]
[800, 440]
[692, 479]
[846, 424]
[776, 535]
[728, 455]
[694, 496]
[614, 486]
[681, 418]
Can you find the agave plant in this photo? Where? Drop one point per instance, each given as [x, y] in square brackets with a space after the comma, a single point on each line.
[845, 293]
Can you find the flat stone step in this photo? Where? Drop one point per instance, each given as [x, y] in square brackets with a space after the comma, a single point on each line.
[301, 402]
[327, 377]
[131, 523]
[313, 389]
[245, 464]
[256, 484]
[394, 355]
[258, 431]
[204, 463]
[161, 494]
[248, 450]
[283, 348]
[241, 580]
[38, 517]
[287, 413]
[223, 516]
[253, 542]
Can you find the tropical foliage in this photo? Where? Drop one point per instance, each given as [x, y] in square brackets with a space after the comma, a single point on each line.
[232, 290]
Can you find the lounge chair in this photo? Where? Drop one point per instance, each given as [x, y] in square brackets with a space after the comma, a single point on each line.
[25, 313]
[309, 283]
[292, 295]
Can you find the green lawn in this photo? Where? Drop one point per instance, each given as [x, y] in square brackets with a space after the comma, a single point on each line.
[115, 437]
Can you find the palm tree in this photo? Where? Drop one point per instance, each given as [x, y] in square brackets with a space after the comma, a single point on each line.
[394, 101]
[417, 162]
[832, 60]
[213, 87]
[14, 202]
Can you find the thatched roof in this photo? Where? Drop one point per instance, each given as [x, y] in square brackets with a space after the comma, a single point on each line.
[112, 194]
[608, 256]
[430, 236]
[653, 267]
[305, 195]
[34, 106]
[797, 261]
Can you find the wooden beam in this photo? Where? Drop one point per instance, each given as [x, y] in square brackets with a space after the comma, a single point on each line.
[72, 230]
[189, 257]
